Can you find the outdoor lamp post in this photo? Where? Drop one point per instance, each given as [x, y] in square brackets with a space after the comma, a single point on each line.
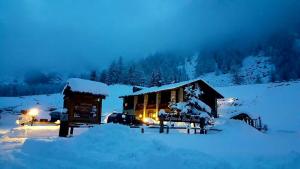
[33, 113]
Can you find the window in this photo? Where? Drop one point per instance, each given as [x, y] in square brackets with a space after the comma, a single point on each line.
[152, 98]
[165, 97]
[128, 103]
[140, 99]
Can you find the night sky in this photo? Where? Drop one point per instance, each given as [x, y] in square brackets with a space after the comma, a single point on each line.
[72, 36]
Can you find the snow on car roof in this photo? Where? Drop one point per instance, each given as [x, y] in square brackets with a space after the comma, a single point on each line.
[87, 86]
[164, 87]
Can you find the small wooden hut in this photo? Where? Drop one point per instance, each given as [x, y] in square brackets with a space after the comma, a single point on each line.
[83, 100]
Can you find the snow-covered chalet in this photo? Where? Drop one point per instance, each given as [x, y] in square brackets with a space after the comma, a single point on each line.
[147, 102]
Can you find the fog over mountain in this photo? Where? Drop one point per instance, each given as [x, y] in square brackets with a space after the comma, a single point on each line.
[72, 36]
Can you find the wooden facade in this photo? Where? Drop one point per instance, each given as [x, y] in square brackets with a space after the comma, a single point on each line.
[83, 107]
[148, 104]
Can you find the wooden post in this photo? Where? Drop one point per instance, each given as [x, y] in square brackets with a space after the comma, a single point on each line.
[259, 123]
[215, 109]
[99, 109]
[161, 124]
[180, 95]
[157, 104]
[135, 100]
[173, 95]
[64, 125]
[167, 129]
[72, 130]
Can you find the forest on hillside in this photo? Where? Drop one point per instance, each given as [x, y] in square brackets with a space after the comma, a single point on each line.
[166, 67]
[169, 67]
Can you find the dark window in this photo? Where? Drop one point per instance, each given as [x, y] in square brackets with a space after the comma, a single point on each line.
[128, 103]
[152, 98]
[165, 97]
[141, 99]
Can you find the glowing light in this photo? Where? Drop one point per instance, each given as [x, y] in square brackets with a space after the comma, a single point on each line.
[33, 112]
[57, 122]
[18, 122]
[140, 116]
[154, 116]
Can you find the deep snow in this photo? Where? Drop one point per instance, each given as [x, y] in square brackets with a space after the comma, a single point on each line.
[115, 146]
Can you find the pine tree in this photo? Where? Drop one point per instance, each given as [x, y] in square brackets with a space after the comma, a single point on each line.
[193, 104]
[156, 79]
[258, 79]
[112, 74]
[120, 70]
[237, 79]
[93, 75]
[103, 77]
[131, 76]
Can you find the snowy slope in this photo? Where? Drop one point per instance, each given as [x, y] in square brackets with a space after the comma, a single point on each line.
[276, 103]
[43, 102]
[254, 69]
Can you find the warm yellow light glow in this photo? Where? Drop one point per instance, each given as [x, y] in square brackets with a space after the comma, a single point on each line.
[140, 116]
[18, 122]
[154, 115]
[57, 122]
[33, 112]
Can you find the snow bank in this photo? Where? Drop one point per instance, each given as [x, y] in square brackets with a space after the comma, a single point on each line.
[115, 146]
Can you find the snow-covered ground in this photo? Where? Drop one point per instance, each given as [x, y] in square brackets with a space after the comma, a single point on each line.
[113, 146]
[276, 103]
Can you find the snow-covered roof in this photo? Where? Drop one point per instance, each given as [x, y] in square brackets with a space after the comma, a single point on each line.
[165, 87]
[87, 86]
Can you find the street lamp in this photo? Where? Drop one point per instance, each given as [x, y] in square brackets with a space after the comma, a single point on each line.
[33, 113]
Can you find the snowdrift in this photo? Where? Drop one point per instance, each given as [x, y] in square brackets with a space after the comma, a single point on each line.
[115, 146]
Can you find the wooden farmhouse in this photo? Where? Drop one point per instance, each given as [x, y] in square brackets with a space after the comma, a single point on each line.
[147, 102]
[83, 100]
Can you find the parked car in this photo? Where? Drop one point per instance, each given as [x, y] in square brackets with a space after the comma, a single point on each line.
[114, 118]
[122, 119]
[55, 116]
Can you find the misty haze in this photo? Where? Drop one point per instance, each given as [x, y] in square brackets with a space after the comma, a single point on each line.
[166, 84]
